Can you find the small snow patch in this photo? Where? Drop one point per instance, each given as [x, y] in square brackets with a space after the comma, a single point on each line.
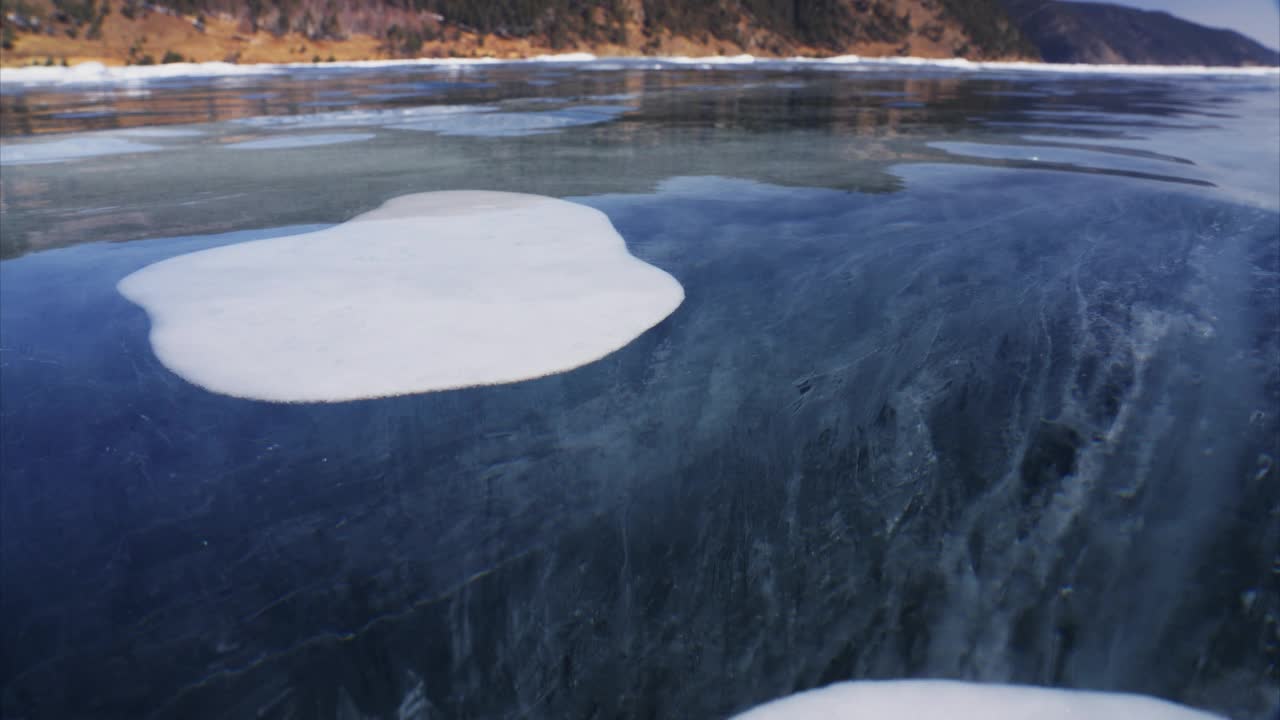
[950, 700]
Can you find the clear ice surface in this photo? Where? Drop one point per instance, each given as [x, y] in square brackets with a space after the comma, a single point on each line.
[921, 413]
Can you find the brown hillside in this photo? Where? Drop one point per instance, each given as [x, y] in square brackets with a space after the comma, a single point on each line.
[132, 32]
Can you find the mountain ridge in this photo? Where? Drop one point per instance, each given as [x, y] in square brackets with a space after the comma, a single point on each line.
[1104, 33]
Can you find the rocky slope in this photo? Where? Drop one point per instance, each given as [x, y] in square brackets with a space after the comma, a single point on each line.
[1077, 32]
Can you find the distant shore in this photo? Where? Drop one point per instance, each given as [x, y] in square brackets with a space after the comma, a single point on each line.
[58, 33]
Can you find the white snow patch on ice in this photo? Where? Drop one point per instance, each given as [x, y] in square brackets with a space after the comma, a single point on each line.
[564, 57]
[72, 148]
[431, 291]
[710, 60]
[96, 73]
[283, 142]
[951, 700]
[93, 73]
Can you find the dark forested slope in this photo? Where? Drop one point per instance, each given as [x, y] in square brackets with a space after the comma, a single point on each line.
[1080, 32]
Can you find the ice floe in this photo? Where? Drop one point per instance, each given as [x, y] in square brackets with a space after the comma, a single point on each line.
[473, 120]
[431, 291]
[950, 700]
[71, 148]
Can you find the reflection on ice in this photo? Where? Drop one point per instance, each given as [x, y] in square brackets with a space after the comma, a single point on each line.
[435, 86]
[159, 132]
[429, 292]
[72, 148]
[84, 114]
[299, 141]
[473, 120]
[357, 118]
[948, 700]
[327, 103]
[614, 98]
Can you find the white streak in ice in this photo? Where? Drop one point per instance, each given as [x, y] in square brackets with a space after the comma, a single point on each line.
[517, 123]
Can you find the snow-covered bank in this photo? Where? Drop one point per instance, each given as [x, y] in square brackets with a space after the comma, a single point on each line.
[97, 73]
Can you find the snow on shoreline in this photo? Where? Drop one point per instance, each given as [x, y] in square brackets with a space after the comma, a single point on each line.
[96, 73]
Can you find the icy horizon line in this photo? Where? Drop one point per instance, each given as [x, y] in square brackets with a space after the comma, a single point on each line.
[95, 72]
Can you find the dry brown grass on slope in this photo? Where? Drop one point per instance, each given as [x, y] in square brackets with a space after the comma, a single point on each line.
[150, 36]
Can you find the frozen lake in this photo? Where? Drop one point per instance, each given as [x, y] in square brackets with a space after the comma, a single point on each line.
[856, 371]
